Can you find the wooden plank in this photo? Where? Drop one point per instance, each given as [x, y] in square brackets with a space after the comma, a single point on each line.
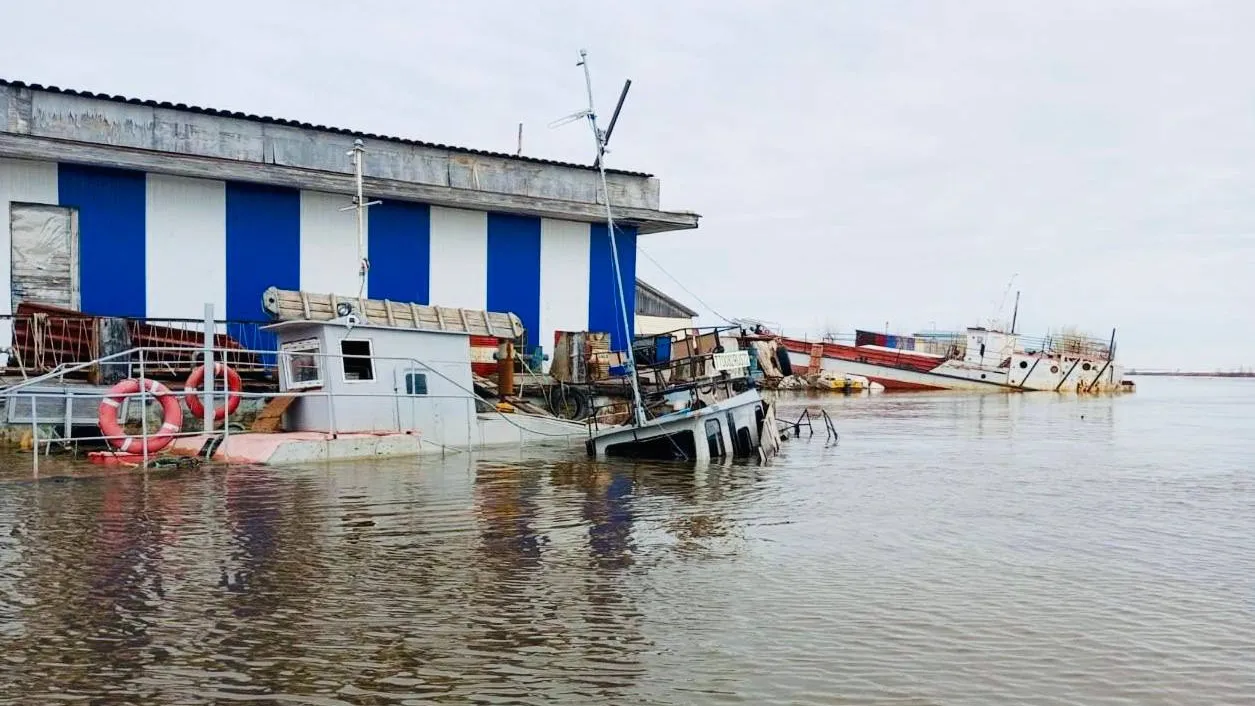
[292, 305]
[487, 384]
[270, 419]
[528, 407]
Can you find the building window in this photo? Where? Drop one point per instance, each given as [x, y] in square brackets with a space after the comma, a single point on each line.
[358, 365]
[302, 361]
[415, 383]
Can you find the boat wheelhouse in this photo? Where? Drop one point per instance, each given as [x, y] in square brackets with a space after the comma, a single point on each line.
[698, 400]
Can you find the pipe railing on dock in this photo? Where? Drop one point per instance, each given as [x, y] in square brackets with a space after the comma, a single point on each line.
[221, 394]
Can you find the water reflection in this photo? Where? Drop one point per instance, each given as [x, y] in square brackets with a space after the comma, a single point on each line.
[90, 579]
[606, 508]
[949, 549]
[252, 515]
[505, 503]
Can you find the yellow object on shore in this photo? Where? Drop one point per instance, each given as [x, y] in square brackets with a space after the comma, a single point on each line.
[838, 384]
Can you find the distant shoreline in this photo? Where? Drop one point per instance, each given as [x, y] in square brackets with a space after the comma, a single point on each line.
[1164, 373]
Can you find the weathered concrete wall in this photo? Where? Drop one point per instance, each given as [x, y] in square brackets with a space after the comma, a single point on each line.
[158, 138]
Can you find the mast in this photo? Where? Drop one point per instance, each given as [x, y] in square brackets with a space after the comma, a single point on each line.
[1015, 313]
[360, 205]
[599, 138]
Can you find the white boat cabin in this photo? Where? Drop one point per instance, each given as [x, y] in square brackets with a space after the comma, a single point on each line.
[377, 379]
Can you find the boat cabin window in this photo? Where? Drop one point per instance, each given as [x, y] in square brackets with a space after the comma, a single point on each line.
[415, 383]
[302, 359]
[714, 438]
[358, 365]
[679, 446]
[742, 441]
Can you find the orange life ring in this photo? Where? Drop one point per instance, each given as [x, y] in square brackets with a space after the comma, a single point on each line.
[194, 383]
[171, 422]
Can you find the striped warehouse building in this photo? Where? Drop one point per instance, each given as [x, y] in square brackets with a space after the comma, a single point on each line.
[119, 207]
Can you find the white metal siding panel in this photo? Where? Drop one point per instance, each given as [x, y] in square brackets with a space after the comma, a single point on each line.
[563, 279]
[459, 258]
[185, 246]
[329, 262]
[30, 182]
[654, 325]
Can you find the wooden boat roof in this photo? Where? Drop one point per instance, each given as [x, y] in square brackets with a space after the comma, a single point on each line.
[293, 305]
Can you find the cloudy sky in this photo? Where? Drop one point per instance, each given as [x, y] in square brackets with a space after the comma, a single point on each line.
[855, 163]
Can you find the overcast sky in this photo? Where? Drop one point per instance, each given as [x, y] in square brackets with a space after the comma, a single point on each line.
[855, 163]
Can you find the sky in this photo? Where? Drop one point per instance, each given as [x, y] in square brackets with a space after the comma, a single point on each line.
[909, 164]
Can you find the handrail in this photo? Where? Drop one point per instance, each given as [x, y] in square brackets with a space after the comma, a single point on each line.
[55, 372]
[469, 394]
[712, 384]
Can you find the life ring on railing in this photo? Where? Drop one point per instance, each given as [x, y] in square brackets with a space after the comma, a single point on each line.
[194, 383]
[171, 422]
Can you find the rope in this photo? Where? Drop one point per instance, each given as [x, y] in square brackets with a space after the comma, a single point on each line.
[503, 415]
[680, 284]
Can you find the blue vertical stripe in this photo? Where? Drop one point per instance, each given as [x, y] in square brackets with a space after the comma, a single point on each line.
[263, 250]
[399, 243]
[626, 239]
[514, 270]
[111, 207]
[603, 297]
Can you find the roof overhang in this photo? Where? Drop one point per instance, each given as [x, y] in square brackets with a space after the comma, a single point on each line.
[50, 124]
[37, 148]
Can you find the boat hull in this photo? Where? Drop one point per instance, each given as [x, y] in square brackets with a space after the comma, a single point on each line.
[742, 426]
[912, 371]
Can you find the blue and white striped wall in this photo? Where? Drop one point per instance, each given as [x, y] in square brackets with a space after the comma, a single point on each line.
[161, 246]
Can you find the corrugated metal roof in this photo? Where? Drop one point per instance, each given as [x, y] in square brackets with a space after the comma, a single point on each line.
[658, 303]
[297, 124]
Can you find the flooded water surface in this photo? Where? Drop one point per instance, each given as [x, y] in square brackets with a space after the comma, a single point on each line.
[948, 550]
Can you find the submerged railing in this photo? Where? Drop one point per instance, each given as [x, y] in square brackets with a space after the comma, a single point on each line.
[671, 386]
[404, 392]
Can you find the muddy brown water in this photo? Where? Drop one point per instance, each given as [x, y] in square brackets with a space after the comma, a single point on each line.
[949, 550]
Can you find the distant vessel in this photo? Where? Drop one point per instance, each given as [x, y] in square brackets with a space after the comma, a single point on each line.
[976, 359]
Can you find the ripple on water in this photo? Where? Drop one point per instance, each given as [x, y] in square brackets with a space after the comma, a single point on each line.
[950, 549]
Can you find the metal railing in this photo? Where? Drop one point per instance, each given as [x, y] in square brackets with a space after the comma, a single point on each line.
[215, 396]
[44, 342]
[672, 386]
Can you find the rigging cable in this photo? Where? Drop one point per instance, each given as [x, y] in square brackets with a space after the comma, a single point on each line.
[680, 284]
